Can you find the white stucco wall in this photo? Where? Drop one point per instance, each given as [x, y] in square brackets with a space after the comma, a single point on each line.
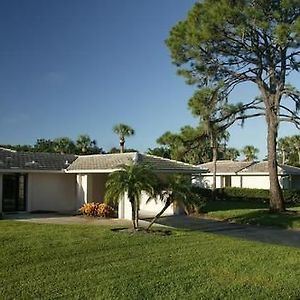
[245, 181]
[256, 182]
[147, 210]
[206, 181]
[153, 207]
[236, 181]
[51, 192]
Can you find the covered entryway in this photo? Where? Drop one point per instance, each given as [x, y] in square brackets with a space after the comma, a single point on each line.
[14, 192]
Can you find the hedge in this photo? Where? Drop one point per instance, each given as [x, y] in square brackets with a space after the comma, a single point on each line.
[246, 194]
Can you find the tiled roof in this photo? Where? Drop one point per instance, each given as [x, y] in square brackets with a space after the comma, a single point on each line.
[12, 160]
[102, 162]
[262, 167]
[227, 166]
[245, 167]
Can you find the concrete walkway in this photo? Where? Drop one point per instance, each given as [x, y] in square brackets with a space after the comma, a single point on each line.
[55, 218]
[248, 232]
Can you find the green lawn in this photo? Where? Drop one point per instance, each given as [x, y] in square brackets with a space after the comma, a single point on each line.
[252, 213]
[88, 261]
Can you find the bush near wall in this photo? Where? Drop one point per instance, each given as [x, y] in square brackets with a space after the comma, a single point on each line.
[246, 194]
[93, 209]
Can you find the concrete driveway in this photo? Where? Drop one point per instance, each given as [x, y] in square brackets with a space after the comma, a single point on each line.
[248, 232]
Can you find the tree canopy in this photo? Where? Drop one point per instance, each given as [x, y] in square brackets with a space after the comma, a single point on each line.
[233, 42]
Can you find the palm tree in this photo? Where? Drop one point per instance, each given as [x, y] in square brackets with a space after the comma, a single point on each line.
[295, 142]
[133, 180]
[250, 152]
[284, 144]
[123, 131]
[176, 190]
[231, 153]
[84, 143]
[64, 145]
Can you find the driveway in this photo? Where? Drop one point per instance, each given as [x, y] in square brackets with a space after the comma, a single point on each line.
[248, 232]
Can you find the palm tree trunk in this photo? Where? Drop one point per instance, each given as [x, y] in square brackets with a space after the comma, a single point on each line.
[136, 214]
[133, 217]
[122, 145]
[214, 183]
[276, 195]
[167, 204]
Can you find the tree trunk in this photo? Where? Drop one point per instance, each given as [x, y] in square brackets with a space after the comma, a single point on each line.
[167, 204]
[122, 145]
[214, 183]
[276, 196]
[137, 214]
[133, 217]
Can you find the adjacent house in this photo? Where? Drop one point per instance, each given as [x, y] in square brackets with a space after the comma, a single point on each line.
[62, 183]
[248, 175]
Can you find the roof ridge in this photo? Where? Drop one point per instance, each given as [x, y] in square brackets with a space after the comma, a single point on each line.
[7, 149]
[172, 160]
[106, 154]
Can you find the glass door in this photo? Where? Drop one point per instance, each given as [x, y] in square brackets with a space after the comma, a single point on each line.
[13, 198]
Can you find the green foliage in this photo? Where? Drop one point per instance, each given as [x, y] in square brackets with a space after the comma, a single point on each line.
[250, 152]
[164, 152]
[83, 145]
[123, 130]
[117, 150]
[289, 150]
[133, 180]
[102, 210]
[231, 42]
[231, 153]
[189, 145]
[257, 195]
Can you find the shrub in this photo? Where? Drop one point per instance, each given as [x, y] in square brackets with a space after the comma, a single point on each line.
[246, 194]
[242, 194]
[102, 210]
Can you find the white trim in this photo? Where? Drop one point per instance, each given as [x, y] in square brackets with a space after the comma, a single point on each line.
[113, 170]
[4, 171]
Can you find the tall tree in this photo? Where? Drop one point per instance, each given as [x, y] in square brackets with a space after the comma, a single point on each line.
[85, 145]
[231, 153]
[123, 131]
[250, 152]
[133, 180]
[283, 148]
[64, 145]
[44, 145]
[189, 145]
[245, 41]
[209, 104]
[164, 152]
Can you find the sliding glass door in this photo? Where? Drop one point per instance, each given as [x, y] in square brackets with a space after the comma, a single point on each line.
[14, 192]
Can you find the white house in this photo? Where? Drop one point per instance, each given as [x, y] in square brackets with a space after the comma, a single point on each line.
[62, 183]
[248, 175]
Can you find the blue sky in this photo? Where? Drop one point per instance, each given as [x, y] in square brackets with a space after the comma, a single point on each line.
[72, 66]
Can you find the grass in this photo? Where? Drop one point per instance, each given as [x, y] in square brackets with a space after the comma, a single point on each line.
[252, 213]
[92, 262]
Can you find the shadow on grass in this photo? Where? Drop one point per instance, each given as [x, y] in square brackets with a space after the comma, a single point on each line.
[230, 205]
[263, 217]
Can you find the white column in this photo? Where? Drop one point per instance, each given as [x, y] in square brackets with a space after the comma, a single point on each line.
[124, 209]
[29, 197]
[81, 189]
